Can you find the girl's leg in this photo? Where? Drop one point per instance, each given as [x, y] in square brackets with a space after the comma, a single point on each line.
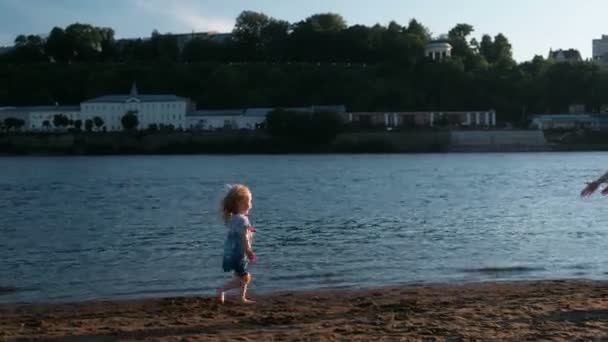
[232, 284]
[245, 280]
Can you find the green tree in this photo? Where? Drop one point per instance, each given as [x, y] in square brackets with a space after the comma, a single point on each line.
[98, 122]
[274, 40]
[497, 50]
[458, 38]
[109, 50]
[317, 38]
[88, 125]
[248, 28]
[60, 120]
[20, 124]
[417, 29]
[259, 36]
[10, 123]
[129, 120]
[503, 49]
[199, 50]
[84, 41]
[166, 47]
[324, 22]
[58, 46]
[78, 124]
[486, 48]
[28, 49]
[46, 124]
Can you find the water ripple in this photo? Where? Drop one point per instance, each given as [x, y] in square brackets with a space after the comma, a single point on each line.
[108, 227]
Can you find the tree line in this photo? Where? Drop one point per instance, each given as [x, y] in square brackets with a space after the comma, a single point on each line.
[256, 37]
[318, 60]
[129, 122]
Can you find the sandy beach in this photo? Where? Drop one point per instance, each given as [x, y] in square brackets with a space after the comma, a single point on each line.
[505, 311]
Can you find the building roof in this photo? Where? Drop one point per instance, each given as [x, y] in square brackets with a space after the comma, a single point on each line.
[140, 98]
[571, 117]
[220, 37]
[258, 111]
[262, 112]
[439, 44]
[220, 112]
[265, 111]
[570, 54]
[134, 94]
[339, 109]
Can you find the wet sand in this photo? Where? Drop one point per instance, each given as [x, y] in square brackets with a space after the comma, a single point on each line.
[502, 311]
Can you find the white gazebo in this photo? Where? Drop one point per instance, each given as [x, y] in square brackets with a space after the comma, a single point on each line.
[438, 50]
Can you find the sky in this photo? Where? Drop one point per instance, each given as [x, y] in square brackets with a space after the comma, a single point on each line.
[532, 26]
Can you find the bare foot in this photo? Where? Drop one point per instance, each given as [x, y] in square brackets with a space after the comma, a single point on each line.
[220, 297]
[247, 301]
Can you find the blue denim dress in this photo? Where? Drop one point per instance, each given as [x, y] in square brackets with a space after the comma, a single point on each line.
[234, 250]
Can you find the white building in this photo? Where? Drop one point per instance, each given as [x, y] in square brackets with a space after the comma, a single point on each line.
[167, 110]
[35, 117]
[249, 119]
[570, 55]
[184, 38]
[210, 120]
[422, 119]
[569, 121]
[600, 49]
[438, 50]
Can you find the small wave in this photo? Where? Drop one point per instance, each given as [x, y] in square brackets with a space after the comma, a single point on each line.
[509, 269]
[304, 276]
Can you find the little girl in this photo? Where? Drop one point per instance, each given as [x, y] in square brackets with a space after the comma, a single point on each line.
[237, 249]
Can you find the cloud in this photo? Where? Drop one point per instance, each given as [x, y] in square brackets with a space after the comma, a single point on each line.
[188, 13]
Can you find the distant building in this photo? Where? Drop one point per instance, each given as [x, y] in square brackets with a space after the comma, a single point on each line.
[576, 108]
[570, 55]
[438, 49]
[248, 119]
[209, 120]
[183, 38]
[570, 121]
[600, 49]
[36, 116]
[168, 110]
[422, 119]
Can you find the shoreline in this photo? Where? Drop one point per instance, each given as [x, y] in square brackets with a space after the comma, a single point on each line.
[454, 151]
[256, 143]
[557, 309]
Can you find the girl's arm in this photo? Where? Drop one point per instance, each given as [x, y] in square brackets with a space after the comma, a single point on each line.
[247, 246]
[592, 186]
[603, 178]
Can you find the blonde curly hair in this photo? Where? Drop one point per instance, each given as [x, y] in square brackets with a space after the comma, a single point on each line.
[237, 194]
